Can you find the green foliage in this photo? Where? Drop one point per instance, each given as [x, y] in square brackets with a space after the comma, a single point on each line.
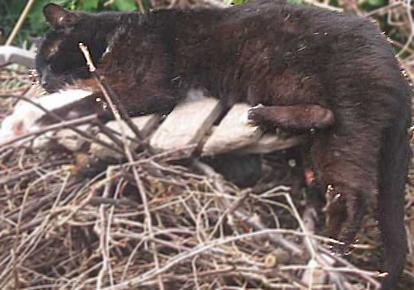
[376, 3]
[296, 1]
[90, 5]
[125, 5]
[237, 2]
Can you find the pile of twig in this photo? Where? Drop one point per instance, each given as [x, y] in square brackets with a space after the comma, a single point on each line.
[169, 226]
[155, 221]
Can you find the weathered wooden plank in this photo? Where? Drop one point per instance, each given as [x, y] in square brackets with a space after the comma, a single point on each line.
[11, 54]
[233, 132]
[271, 142]
[186, 125]
[145, 124]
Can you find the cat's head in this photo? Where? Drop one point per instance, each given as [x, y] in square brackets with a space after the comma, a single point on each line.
[59, 60]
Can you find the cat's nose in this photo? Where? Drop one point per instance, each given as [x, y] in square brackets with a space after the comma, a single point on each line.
[45, 76]
[43, 81]
[48, 83]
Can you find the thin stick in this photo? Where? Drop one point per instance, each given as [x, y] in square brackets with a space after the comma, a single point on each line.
[20, 22]
[140, 6]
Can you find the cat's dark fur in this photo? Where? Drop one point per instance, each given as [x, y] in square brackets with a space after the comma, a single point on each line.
[299, 58]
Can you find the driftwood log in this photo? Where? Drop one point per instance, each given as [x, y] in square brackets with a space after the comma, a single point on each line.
[191, 124]
[200, 126]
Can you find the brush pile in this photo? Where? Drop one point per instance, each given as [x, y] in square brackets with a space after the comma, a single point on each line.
[159, 221]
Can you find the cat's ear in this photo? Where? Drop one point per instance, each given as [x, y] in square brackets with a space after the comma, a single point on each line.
[58, 16]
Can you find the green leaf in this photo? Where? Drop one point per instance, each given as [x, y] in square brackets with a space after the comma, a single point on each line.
[89, 5]
[376, 2]
[35, 18]
[125, 5]
[237, 2]
[296, 1]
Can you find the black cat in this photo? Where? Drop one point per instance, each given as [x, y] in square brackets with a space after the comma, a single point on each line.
[324, 72]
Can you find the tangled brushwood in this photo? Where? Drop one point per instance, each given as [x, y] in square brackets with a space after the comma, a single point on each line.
[163, 222]
[167, 226]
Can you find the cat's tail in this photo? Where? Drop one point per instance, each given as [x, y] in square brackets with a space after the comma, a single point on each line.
[393, 168]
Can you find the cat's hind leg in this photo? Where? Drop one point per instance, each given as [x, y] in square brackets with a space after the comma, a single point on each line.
[294, 117]
[347, 166]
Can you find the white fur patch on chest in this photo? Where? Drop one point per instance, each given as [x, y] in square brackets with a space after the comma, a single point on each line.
[25, 115]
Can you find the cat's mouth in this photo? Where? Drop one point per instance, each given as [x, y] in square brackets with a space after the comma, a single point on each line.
[53, 84]
[51, 87]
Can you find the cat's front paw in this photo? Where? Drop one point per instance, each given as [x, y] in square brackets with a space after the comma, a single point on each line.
[16, 125]
[254, 115]
[27, 117]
